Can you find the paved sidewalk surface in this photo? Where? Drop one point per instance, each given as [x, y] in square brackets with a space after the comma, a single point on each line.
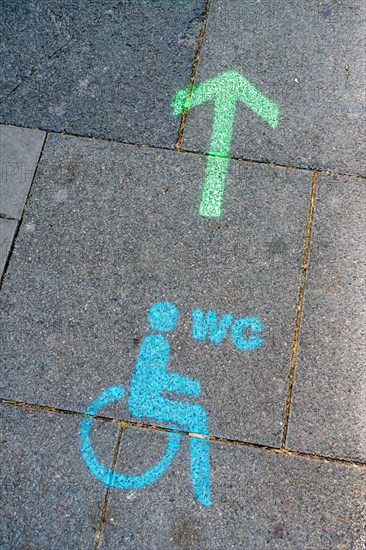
[172, 379]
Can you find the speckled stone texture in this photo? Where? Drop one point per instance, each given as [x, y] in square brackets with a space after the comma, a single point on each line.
[329, 402]
[111, 229]
[260, 500]
[308, 57]
[100, 68]
[49, 497]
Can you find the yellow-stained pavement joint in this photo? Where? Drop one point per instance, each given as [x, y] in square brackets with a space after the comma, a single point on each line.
[299, 307]
[104, 507]
[193, 74]
[131, 423]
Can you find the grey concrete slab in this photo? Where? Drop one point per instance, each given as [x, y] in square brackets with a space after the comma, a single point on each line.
[7, 232]
[259, 500]
[328, 414]
[19, 153]
[308, 57]
[101, 68]
[49, 497]
[110, 230]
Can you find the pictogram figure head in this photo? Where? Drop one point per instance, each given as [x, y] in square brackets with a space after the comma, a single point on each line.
[163, 316]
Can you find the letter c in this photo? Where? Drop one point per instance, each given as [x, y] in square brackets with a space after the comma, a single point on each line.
[237, 337]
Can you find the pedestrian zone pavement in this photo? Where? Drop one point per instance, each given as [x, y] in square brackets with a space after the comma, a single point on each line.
[183, 274]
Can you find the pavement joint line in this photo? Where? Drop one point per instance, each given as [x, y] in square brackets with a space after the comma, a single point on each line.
[124, 423]
[10, 251]
[47, 408]
[22, 215]
[193, 74]
[299, 307]
[274, 164]
[104, 506]
[269, 163]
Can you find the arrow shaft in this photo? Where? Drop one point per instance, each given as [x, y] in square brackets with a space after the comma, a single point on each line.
[214, 186]
[218, 162]
[222, 127]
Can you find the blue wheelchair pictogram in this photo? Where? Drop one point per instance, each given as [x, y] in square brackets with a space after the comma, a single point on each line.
[146, 400]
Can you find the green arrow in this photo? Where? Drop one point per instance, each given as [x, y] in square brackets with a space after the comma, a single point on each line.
[225, 90]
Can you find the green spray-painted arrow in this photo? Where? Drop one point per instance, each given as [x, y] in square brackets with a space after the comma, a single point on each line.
[226, 89]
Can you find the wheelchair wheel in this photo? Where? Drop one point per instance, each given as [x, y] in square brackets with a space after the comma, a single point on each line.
[115, 479]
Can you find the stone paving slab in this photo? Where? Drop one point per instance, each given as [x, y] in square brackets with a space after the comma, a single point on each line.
[19, 149]
[35, 32]
[112, 229]
[7, 232]
[100, 68]
[328, 414]
[259, 500]
[308, 57]
[49, 497]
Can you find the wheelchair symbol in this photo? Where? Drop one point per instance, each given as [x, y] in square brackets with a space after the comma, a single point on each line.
[146, 399]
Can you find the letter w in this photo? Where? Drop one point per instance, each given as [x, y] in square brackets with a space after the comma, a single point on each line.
[204, 324]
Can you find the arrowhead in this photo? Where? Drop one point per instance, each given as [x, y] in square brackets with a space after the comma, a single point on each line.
[259, 103]
[229, 86]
